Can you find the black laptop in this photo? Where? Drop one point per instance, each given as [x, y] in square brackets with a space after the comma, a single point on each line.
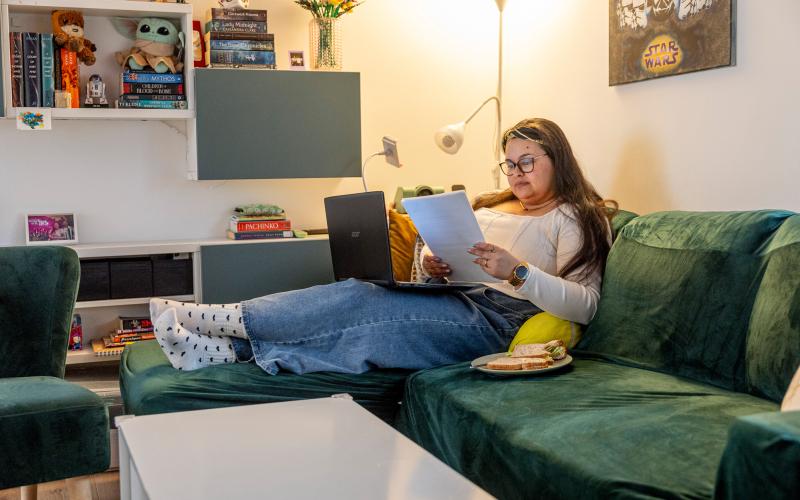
[359, 237]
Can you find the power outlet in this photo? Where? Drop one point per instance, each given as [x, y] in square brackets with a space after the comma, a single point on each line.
[390, 151]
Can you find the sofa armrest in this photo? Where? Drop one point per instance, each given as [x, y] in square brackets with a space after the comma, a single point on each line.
[762, 458]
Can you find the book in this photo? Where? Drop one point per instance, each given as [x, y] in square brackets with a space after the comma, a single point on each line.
[260, 235]
[129, 76]
[56, 69]
[100, 349]
[134, 323]
[242, 218]
[17, 71]
[240, 66]
[111, 341]
[226, 26]
[151, 104]
[32, 53]
[243, 57]
[152, 88]
[70, 76]
[240, 44]
[218, 35]
[129, 339]
[133, 331]
[236, 15]
[48, 77]
[255, 226]
[154, 97]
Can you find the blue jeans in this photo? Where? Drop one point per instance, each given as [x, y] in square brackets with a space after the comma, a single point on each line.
[354, 326]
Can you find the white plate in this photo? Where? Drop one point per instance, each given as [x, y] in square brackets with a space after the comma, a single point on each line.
[480, 364]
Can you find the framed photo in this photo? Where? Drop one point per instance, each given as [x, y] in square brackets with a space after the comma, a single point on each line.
[51, 229]
[297, 60]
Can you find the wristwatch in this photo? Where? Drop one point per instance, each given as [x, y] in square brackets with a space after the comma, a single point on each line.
[519, 275]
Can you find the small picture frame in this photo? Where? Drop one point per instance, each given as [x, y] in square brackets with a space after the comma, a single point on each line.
[297, 60]
[51, 229]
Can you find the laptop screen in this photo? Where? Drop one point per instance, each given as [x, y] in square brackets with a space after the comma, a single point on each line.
[358, 234]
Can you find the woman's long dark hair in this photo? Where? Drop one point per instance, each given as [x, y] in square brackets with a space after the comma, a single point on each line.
[571, 187]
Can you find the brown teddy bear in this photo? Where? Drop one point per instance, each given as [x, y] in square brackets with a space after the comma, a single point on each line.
[68, 33]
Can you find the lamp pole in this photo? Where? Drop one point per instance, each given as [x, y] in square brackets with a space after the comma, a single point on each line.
[498, 139]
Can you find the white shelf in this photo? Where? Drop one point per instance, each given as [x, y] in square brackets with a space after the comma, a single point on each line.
[100, 8]
[114, 114]
[87, 356]
[126, 249]
[128, 302]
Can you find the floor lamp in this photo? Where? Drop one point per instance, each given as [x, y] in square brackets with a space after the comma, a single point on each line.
[450, 137]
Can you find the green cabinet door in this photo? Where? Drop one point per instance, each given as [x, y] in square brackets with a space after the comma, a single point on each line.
[236, 272]
[277, 124]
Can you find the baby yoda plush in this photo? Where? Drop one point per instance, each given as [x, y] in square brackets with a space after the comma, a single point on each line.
[68, 33]
[234, 4]
[158, 44]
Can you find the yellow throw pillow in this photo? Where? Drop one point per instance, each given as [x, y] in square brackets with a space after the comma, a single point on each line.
[402, 236]
[543, 328]
[791, 401]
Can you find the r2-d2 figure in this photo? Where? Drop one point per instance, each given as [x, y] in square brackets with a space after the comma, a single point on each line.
[96, 93]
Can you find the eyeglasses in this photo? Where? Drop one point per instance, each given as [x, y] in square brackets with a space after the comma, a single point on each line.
[524, 164]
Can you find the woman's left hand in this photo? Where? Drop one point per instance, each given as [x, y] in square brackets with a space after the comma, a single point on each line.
[494, 260]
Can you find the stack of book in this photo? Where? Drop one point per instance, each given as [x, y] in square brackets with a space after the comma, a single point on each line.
[131, 330]
[151, 90]
[238, 38]
[39, 69]
[260, 227]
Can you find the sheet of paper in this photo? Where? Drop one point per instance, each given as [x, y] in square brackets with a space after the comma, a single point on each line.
[448, 225]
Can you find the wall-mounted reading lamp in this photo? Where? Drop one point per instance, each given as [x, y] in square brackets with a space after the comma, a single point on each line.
[450, 137]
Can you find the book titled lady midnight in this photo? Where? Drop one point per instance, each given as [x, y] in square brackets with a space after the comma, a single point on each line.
[32, 54]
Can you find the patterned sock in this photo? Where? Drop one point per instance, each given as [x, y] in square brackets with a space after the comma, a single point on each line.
[206, 319]
[190, 351]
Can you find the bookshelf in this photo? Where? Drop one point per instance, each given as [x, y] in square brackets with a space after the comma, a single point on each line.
[265, 268]
[34, 16]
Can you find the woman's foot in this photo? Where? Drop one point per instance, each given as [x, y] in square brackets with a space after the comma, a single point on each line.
[203, 319]
[190, 351]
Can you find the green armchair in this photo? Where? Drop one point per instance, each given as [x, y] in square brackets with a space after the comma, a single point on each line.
[50, 429]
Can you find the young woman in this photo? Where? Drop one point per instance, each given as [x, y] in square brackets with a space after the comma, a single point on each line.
[547, 238]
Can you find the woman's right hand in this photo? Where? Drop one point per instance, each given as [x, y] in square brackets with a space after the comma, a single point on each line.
[435, 267]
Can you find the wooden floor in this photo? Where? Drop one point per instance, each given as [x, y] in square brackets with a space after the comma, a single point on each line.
[104, 486]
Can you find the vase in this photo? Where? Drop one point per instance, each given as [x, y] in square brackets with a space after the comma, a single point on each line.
[326, 43]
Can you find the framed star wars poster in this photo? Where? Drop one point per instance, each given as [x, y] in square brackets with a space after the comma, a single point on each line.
[655, 38]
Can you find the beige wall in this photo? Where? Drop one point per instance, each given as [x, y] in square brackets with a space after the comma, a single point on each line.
[724, 139]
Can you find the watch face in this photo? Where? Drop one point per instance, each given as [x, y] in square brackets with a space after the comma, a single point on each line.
[521, 272]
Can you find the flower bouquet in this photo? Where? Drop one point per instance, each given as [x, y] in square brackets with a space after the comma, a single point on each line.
[326, 38]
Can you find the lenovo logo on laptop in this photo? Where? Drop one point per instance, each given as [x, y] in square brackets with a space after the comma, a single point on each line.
[355, 234]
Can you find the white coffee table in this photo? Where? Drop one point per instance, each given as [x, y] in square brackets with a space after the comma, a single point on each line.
[317, 449]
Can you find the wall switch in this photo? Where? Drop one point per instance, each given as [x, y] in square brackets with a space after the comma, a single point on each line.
[390, 151]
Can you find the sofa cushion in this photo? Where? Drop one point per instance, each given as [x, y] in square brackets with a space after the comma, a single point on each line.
[773, 342]
[50, 430]
[678, 291]
[594, 430]
[149, 385]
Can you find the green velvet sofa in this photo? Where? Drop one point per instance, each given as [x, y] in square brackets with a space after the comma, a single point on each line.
[673, 393]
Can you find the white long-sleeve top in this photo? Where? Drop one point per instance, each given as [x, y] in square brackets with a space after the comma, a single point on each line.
[547, 243]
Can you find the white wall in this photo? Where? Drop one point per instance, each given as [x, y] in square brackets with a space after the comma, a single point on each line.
[716, 140]
[423, 65]
[723, 139]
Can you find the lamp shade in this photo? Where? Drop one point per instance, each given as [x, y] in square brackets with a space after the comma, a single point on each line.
[450, 138]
